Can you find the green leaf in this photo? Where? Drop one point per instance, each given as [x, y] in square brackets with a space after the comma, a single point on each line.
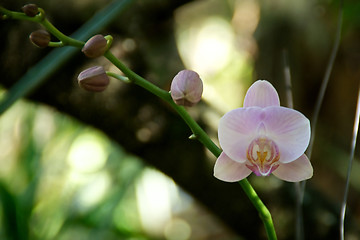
[14, 225]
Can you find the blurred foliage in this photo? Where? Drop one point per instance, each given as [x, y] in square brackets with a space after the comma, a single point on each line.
[44, 196]
[62, 180]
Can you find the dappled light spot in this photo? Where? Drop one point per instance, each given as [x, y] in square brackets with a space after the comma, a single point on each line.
[219, 48]
[87, 153]
[207, 48]
[93, 191]
[153, 193]
[143, 134]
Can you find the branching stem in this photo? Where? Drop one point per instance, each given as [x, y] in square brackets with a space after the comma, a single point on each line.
[198, 132]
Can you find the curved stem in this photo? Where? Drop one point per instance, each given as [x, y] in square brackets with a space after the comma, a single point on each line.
[348, 174]
[41, 19]
[326, 78]
[195, 128]
[135, 78]
[198, 132]
[201, 136]
[299, 228]
[59, 35]
[119, 77]
[7, 14]
[56, 44]
[264, 213]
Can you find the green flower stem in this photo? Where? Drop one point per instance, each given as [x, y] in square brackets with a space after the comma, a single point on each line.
[201, 136]
[40, 18]
[198, 132]
[264, 213]
[56, 44]
[119, 77]
[133, 77]
[7, 14]
[109, 40]
[165, 95]
[59, 35]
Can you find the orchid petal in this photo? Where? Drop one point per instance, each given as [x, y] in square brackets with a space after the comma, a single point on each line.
[261, 94]
[237, 129]
[230, 171]
[296, 171]
[289, 129]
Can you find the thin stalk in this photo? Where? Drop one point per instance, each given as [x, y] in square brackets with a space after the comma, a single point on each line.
[41, 19]
[326, 78]
[264, 213]
[59, 35]
[323, 87]
[7, 14]
[56, 44]
[201, 136]
[287, 77]
[352, 152]
[321, 95]
[119, 77]
[198, 132]
[45, 68]
[299, 221]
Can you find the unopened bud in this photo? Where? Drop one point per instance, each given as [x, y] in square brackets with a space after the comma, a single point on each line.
[40, 38]
[186, 88]
[30, 10]
[94, 79]
[95, 46]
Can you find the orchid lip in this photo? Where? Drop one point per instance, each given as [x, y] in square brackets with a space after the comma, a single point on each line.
[263, 154]
[260, 172]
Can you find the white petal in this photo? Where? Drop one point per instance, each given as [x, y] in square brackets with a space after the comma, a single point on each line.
[261, 94]
[289, 129]
[228, 170]
[237, 129]
[295, 171]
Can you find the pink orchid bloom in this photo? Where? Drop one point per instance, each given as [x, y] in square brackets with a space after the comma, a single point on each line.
[264, 138]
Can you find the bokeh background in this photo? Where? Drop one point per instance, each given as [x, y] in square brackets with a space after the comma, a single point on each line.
[119, 165]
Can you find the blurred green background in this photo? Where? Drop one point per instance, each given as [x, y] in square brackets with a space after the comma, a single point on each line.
[118, 165]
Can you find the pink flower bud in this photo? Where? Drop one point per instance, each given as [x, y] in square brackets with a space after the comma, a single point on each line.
[40, 38]
[95, 46]
[30, 10]
[94, 79]
[186, 88]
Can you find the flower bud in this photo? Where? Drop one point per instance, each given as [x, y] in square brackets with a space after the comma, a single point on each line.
[186, 88]
[94, 79]
[40, 38]
[95, 46]
[30, 10]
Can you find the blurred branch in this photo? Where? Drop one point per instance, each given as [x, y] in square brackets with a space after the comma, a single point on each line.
[299, 225]
[352, 153]
[325, 80]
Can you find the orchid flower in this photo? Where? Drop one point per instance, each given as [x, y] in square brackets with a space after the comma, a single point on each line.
[262, 137]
